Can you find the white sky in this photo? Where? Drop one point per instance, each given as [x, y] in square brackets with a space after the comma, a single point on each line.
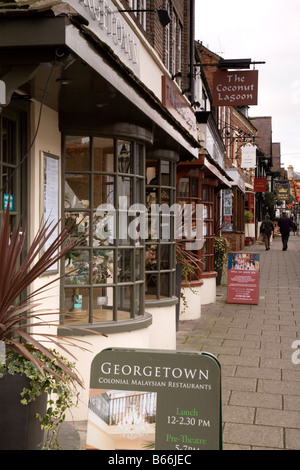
[268, 31]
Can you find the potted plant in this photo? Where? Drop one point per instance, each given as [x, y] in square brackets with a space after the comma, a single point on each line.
[249, 227]
[221, 249]
[187, 267]
[31, 372]
[248, 216]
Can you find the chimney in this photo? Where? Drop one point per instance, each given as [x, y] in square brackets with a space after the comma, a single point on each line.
[290, 172]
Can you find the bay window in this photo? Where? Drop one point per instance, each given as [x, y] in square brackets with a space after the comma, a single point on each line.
[104, 275]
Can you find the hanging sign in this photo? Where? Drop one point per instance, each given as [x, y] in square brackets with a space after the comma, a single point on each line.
[243, 278]
[235, 88]
[282, 188]
[148, 399]
[248, 156]
[260, 185]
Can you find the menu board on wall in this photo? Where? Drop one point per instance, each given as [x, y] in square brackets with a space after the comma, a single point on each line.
[148, 399]
[243, 278]
[51, 193]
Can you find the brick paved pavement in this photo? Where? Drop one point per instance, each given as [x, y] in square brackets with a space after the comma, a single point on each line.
[260, 383]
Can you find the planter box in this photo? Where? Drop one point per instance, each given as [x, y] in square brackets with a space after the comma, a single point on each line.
[19, 428]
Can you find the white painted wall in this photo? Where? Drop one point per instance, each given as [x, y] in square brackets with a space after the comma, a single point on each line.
[194, 302]
[208, 291]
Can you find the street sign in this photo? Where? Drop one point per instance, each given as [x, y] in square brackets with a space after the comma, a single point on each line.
[149, 399]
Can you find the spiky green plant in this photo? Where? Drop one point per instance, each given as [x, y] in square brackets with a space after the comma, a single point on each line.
[16, 278]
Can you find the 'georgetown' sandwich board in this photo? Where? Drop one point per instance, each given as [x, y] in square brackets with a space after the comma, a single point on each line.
[149, 399]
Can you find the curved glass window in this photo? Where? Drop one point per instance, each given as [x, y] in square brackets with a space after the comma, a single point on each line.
[160, 256]
[103, 179]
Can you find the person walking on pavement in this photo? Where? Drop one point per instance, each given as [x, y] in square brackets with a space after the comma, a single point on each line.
[266, 230]
[285, 224]
[294, 226]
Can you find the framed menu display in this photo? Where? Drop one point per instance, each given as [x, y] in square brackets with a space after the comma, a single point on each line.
[50, 179]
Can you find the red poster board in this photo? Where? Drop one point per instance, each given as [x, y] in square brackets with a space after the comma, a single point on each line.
[243, 278]
[260, 185]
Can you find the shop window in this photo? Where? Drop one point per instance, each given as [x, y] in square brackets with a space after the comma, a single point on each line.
[194, 189]
[104, 281]
[189, 192]
[208, 229]
[160, 256]
[233, 210]
[228, 210]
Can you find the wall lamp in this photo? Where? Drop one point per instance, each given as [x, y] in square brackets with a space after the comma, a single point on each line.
[176, 75]
[163, 15]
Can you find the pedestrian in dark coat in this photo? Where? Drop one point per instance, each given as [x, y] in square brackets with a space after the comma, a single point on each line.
[266, 230]
[285, 224]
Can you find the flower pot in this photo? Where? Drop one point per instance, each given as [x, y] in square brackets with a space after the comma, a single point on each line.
[19, 427]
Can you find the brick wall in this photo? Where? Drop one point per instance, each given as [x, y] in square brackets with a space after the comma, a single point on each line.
[156, 34]
[236, 240]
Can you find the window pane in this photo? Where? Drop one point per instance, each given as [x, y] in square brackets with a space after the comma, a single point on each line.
[103, 266]
[9, 147]
[139, 192]
[104, 229]
[77, 191]
[103, 155]
[124, 155]
[77, 267]
[152, 172]
[9, 185]
[125, 266]
[165, 257]
[103, 190]
[151, 257]
[77, 153]
[76, 304]
[151, 285]
[124, 294]
[139, 267]
[183, 187]
[125, 191]
[165, 284]
[194, 188]
[102, 304]
[166, 170]
[139, 159]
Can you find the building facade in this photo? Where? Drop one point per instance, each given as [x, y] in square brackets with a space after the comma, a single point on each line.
[94, 121]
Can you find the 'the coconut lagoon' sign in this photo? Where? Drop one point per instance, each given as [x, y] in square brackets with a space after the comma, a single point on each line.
[238, 88]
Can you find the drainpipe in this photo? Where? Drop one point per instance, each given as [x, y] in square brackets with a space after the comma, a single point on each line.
[192, 49]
